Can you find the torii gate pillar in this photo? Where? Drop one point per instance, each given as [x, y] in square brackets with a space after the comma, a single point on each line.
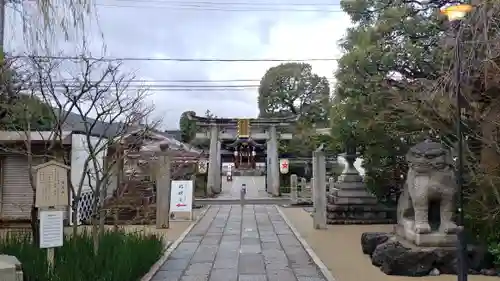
[273, 176]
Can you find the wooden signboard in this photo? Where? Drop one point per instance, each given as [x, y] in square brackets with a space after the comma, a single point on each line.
[51, 185]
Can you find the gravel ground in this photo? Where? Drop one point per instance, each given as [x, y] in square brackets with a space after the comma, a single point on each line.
[340, 250]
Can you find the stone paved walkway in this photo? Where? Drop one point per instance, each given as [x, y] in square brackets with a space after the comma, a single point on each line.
[228, 245]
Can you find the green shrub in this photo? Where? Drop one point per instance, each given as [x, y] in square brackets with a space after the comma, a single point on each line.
[122, 257]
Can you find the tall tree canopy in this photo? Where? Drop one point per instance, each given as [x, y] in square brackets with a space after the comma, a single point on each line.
[393, 89]
[188, 127]
[292, 89]
[390, 44]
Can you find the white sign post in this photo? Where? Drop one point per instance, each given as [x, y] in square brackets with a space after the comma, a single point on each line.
[51, 229]
[51, 199]
[51, 233]
[181, 198]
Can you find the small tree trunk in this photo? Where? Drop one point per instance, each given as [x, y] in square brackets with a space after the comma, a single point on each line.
[74, 216]
[95, 225]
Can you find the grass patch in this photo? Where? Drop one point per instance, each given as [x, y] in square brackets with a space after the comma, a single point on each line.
[122, 256]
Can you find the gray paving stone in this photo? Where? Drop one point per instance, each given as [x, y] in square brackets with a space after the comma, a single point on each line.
[196, 239]
[270, 245]
[247, 241]
[229, 245]
[280, 275]
[170, 275]
[225, 246]
[175, 264]
[194, 278]
[188, 246]
[252, 277]
[289, 240]
[230, 238]
[234, 254]
[305, 278]
[251, 264]
[224, 263]
[199, 269]
[203, 257]
[307, 271]
[179, 254]
[224, 275]
[211, 240]
[265, 239]
[250, 249]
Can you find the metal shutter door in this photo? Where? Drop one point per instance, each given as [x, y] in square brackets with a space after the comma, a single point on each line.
[17, 192]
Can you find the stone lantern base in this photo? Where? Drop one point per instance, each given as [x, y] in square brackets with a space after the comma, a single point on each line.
[350, 203]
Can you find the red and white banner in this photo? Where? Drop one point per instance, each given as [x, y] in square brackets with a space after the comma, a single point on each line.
[284, 166]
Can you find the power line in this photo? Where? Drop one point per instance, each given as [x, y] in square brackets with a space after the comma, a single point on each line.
[165, 81]
[171, 86]
[220, 8]
[184, 89]
[232, 3]
[108, 59]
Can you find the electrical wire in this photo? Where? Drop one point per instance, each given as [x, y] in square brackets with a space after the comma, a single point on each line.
[219, 9]
[147, 81]
[312, 4]
[108, 59]
[181, 89]
[169, 86]
[218, 6]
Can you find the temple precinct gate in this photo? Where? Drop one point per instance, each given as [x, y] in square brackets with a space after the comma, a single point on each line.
[250, 146]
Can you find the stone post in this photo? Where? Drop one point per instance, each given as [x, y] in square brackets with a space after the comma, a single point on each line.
[303, 184]
[193, 179]
[163, 186]
[218, 180]
[319, 189]
[331, 184]
[268, 166]
[10, 268]
[212, 161]
[273, 162]
[293, 189]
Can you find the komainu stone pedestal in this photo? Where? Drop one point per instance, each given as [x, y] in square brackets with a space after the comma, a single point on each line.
[433, 239]
[395, 256]
[350, 202]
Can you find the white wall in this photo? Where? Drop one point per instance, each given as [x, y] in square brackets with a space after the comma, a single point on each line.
[80, 153]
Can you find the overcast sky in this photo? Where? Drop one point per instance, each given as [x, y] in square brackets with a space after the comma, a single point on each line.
[230, 29]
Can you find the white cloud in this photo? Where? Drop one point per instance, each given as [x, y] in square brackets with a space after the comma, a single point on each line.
[167, 33]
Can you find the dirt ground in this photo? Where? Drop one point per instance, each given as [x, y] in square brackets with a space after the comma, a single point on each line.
[340, 250]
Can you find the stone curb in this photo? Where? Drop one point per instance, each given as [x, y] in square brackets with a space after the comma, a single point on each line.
[168, 252]
[328, 275]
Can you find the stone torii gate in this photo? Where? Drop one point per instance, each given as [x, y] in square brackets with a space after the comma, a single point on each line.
[221, 129]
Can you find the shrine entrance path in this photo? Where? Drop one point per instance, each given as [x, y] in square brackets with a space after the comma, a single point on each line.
[234, 244]
[256, 187]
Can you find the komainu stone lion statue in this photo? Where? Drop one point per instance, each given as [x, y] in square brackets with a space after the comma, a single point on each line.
[430, 179]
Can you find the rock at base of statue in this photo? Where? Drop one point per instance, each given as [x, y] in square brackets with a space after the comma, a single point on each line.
[395, 256]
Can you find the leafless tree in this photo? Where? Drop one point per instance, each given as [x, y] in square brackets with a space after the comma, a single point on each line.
[92, 99]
